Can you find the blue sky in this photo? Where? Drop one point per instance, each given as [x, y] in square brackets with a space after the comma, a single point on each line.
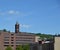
[38, 16]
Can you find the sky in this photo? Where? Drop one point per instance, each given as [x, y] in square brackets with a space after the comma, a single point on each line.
[37, 16]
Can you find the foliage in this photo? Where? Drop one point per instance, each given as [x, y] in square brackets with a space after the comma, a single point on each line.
[19, 47]
[26, 47]
[23, 47]
[42, 36]
[8, 48]
[4, 30]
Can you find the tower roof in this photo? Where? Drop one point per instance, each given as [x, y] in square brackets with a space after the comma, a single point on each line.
[17, 23]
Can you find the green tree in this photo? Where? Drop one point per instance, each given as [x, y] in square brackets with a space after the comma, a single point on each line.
[26, 47]
[42, 36]
[4, 30]
[19, 47]
[8, 48]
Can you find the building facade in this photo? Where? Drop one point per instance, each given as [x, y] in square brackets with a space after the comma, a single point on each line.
[47, 45]
[16, 38]
[57, 43]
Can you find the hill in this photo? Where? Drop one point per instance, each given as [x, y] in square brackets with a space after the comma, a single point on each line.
[45, 36]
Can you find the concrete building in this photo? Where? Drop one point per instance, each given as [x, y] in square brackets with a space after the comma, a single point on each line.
[16, 38]
[57, 42]
[47, 45]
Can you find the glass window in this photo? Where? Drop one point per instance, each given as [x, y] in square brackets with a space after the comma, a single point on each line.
[6, 42]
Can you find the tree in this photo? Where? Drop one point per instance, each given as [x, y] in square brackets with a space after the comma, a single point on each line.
[8, 48]
[4, 30]
[42, 36]
[26, 47]
[19, 47]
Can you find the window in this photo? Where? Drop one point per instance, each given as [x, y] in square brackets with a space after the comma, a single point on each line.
[18, 42]
[12, 42]
[12, 45]
[12, 37]
[6, 39]
[6, 42]
[6, 45]
[12, 34]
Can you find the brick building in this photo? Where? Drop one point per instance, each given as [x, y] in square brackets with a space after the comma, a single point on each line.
[16, 38]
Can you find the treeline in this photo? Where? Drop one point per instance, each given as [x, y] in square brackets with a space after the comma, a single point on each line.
[45, 36]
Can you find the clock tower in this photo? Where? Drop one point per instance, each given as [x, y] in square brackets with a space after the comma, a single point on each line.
[17, 27]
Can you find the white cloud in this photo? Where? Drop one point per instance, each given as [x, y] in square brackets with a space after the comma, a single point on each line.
[14, 15]
[10, 12]
[25, 26]
[13, 12]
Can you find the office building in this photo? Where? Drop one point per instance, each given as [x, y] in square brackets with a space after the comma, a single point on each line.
[16, 38]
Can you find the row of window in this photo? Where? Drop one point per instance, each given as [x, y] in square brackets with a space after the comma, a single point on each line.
[20, 34]
[8, 37]
[23, 42]
[8, 42]
[8, 45]
[18, 42]
[24, 38]
[19, 39]
[24, 35]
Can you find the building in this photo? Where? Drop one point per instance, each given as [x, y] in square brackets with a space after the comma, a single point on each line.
[48, 45]
[43, 45]
[57, 42]
[16, 38]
